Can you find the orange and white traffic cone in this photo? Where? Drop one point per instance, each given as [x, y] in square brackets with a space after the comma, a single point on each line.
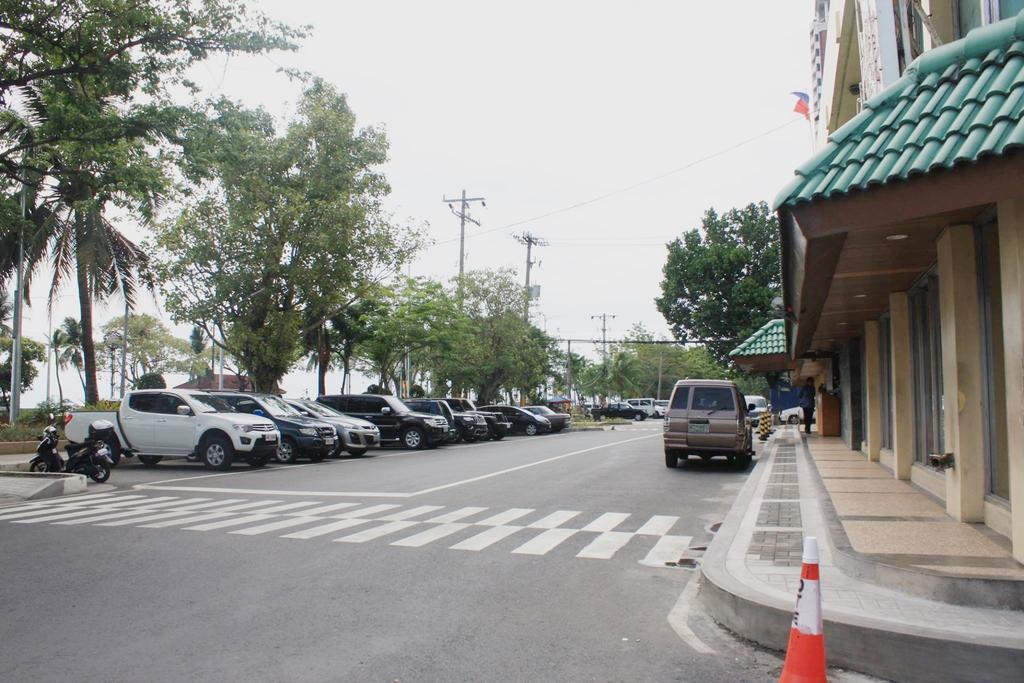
[805, 654]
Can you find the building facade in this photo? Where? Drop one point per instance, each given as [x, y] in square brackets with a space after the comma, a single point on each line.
[903, 246]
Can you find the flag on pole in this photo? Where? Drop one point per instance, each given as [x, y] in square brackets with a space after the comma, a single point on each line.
[802, 104]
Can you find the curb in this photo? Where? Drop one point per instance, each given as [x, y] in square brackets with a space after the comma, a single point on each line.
[50, 484]
[858, 644]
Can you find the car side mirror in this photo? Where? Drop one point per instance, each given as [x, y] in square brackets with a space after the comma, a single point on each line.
[184, 410]
[751, 407]
[385, 411]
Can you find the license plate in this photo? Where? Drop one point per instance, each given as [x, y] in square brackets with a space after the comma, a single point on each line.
[329, 441]
[699, 428]
[270, 437]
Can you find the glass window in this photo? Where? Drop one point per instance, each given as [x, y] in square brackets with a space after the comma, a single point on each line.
[713, 399]
[167, 404]
[210, 404]
[680, 398]
[968, 16]
[144, 403]
[247, 405]
[1010, 8]
[993, 394]
[885, 353]
[926, 361]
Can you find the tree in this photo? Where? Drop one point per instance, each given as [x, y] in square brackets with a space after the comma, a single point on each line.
[6, 313]
[287, 233]
[151, 380]
[32, 352]
[720, 279]
[152, 349]
[70, 348]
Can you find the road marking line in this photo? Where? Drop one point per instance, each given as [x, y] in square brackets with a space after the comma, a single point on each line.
[606, 545]
[486, 538]
[324, 509]
[376, 532]
[529, 464]
[168, 503]
[117, 514]
[289, 506]
[413, 512]
[234, 521]
[188, 520]
[90, 496]
[679, 620]
[658, 525]
[363, 512]
[607, 521]
[455, 515]
[667, 549]
[544, 542]
[248, 507]
[503, 518]
[124, 502]
[211, 504]
[424, 537]
[277, 492]
[313, 532]
[36, 511]
[555, 519]
[285, 523]
[79, 512]
[147, 518]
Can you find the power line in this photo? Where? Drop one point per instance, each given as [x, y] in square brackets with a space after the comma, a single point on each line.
[463, 215]
[530, 241]
[612, 193]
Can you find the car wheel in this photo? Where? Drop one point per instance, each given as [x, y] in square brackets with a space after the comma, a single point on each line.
[286, 451]
[531, 430]
[356, 451]
[218, 452]
[150, 460]
[742, 461]
[413, 438]
[640, 417]
[793, 419]
[671, 459]
[497, 436]
[469, 437]
[257, 460]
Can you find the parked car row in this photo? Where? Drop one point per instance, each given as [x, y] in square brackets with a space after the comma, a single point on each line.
[216, 427]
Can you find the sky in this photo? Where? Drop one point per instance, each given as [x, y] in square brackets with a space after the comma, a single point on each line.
[658, 110]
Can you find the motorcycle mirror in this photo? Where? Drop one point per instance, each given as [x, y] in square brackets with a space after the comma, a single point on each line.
[50, 415]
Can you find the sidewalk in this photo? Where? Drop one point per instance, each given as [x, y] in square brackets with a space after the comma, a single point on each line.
[15, 463]
[752, 570]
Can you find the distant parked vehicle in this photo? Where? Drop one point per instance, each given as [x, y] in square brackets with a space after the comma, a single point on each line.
[760, 406]
[394, 419]
[559, 421]
[623, 410]
[154, 424]
[644, 404]
[355, 436]
[793, 416]
[456, 422]
[497, 424]
[301, 436]
[523, 421]
[707, 418]
[661, 407]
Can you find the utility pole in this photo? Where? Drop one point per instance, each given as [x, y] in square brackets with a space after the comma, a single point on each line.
[463, 214]
[14, 408]
[530, 240]
[124, 347]
[568, 369]
[604, 332]
[661, 357]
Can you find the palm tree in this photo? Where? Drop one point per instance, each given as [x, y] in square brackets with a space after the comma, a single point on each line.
[70, 348]
[58, 342]
[6, 313]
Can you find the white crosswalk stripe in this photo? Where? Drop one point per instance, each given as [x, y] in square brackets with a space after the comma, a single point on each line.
[425, 525]
[545, 542]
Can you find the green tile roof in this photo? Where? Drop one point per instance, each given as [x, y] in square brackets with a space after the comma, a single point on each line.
[767, 341]
[956, 104]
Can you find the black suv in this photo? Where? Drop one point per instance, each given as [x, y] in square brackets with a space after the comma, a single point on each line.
[523, 421]
[497, 425]
[469, 427]
[619, 410]
[394, 419]
[300, 436]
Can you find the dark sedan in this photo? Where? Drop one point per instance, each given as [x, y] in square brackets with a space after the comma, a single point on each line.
[559, 421]
[523, 421]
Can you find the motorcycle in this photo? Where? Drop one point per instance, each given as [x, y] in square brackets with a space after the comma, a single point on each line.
[91, 457]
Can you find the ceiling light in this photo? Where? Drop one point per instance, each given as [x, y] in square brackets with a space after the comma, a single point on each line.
[860, 296]
[842, 323]
[897, 237]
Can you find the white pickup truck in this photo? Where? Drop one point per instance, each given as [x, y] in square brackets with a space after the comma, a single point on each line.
[154, 424]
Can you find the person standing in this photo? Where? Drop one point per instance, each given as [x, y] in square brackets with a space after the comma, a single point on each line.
[806, 402]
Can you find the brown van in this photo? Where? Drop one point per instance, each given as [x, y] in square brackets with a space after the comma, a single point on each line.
[707, 417]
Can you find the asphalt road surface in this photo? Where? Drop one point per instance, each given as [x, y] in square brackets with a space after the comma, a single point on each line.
[531, 559]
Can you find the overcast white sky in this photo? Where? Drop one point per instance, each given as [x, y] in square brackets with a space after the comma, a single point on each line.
[538, 106]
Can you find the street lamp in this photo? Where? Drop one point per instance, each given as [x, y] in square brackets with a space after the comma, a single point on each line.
[113, 342]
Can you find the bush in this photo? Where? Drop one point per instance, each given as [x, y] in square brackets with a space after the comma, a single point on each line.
[107, 406]
[152, 380]
[20, 432]
[417, 391]
[377, 389]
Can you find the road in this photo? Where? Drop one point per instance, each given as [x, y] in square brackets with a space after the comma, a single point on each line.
[536, 559]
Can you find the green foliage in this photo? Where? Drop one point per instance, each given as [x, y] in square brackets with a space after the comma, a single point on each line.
[152, 349]
[417, 391]
[377, 389]
[151, 380]
[289, 234]
[32, 352]
[719, 280]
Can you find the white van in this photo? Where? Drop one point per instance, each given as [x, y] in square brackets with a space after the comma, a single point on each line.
[644, 404]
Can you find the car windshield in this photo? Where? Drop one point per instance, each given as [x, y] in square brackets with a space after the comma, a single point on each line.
[540, 410]
[396, 405]
[276, 406]
[205, 403]
[758, 401]
[319, 409]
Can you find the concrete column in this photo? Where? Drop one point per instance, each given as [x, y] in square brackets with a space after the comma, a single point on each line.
[961, 373]
[903, 386]
[1011, 262]
[873, 390]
